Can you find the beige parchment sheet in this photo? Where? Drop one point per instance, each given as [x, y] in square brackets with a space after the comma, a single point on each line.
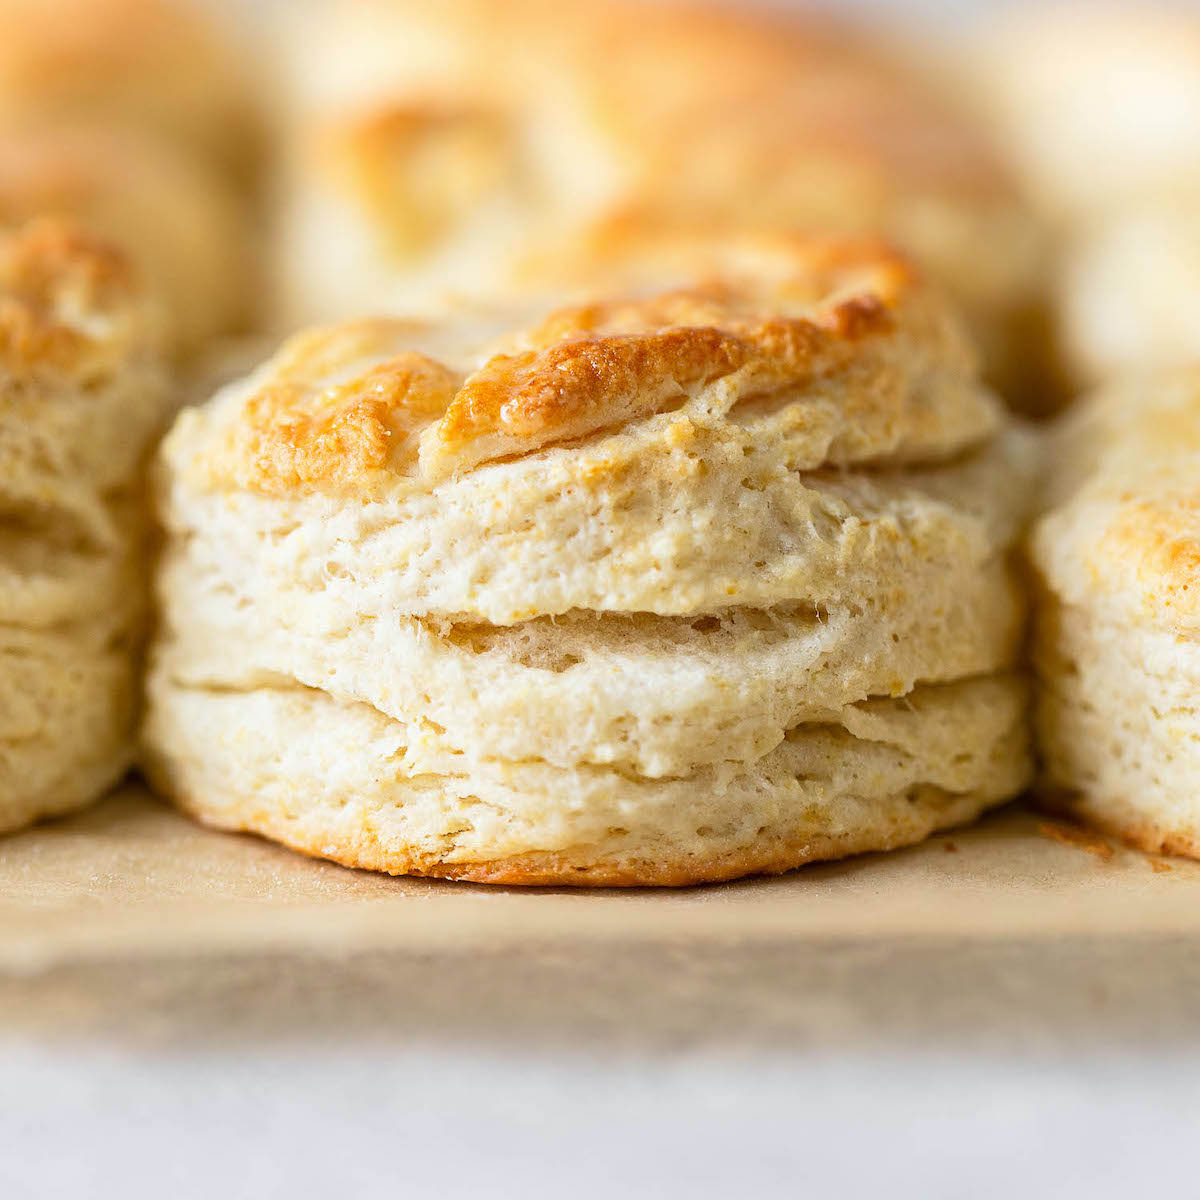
[131, 879]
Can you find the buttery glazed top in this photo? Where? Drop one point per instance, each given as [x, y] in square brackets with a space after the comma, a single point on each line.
[836, 349]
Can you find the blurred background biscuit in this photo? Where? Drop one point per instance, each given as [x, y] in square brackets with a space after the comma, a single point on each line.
[138, 120]
[472, 149]
[165, 68]
[182, 224]
[82, 394]
[1098, 106]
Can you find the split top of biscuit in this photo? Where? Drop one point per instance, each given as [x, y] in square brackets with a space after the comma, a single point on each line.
[837, 351]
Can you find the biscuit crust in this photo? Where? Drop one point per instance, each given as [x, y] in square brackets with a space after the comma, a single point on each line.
[1125, 538]
[50, 278]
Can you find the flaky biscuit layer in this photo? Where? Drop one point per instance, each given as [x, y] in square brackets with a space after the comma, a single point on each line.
[880, 774]
[657, 695]
[469, 149]
[1118, 725]
[688, 533]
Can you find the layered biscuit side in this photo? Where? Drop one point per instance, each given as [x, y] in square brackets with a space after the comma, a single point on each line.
[82, 393]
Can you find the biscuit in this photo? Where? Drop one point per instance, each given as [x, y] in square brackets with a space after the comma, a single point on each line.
[1117, 622]
[1099, 108]
[67, 704]
[82, 394]
[153, 66]
[1128, 288]
[182, 223]
[664, 588]
[471, 149]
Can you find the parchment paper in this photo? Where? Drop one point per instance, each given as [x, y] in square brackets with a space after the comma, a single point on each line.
[131, 879]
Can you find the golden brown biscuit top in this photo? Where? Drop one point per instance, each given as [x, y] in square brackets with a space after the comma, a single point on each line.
[1128, 527]
[839, 340]
[69, 302]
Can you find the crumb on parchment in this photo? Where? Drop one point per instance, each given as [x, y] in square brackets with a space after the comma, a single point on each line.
[1073, 835]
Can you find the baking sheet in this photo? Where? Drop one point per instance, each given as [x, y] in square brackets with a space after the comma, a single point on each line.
[131, 879]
